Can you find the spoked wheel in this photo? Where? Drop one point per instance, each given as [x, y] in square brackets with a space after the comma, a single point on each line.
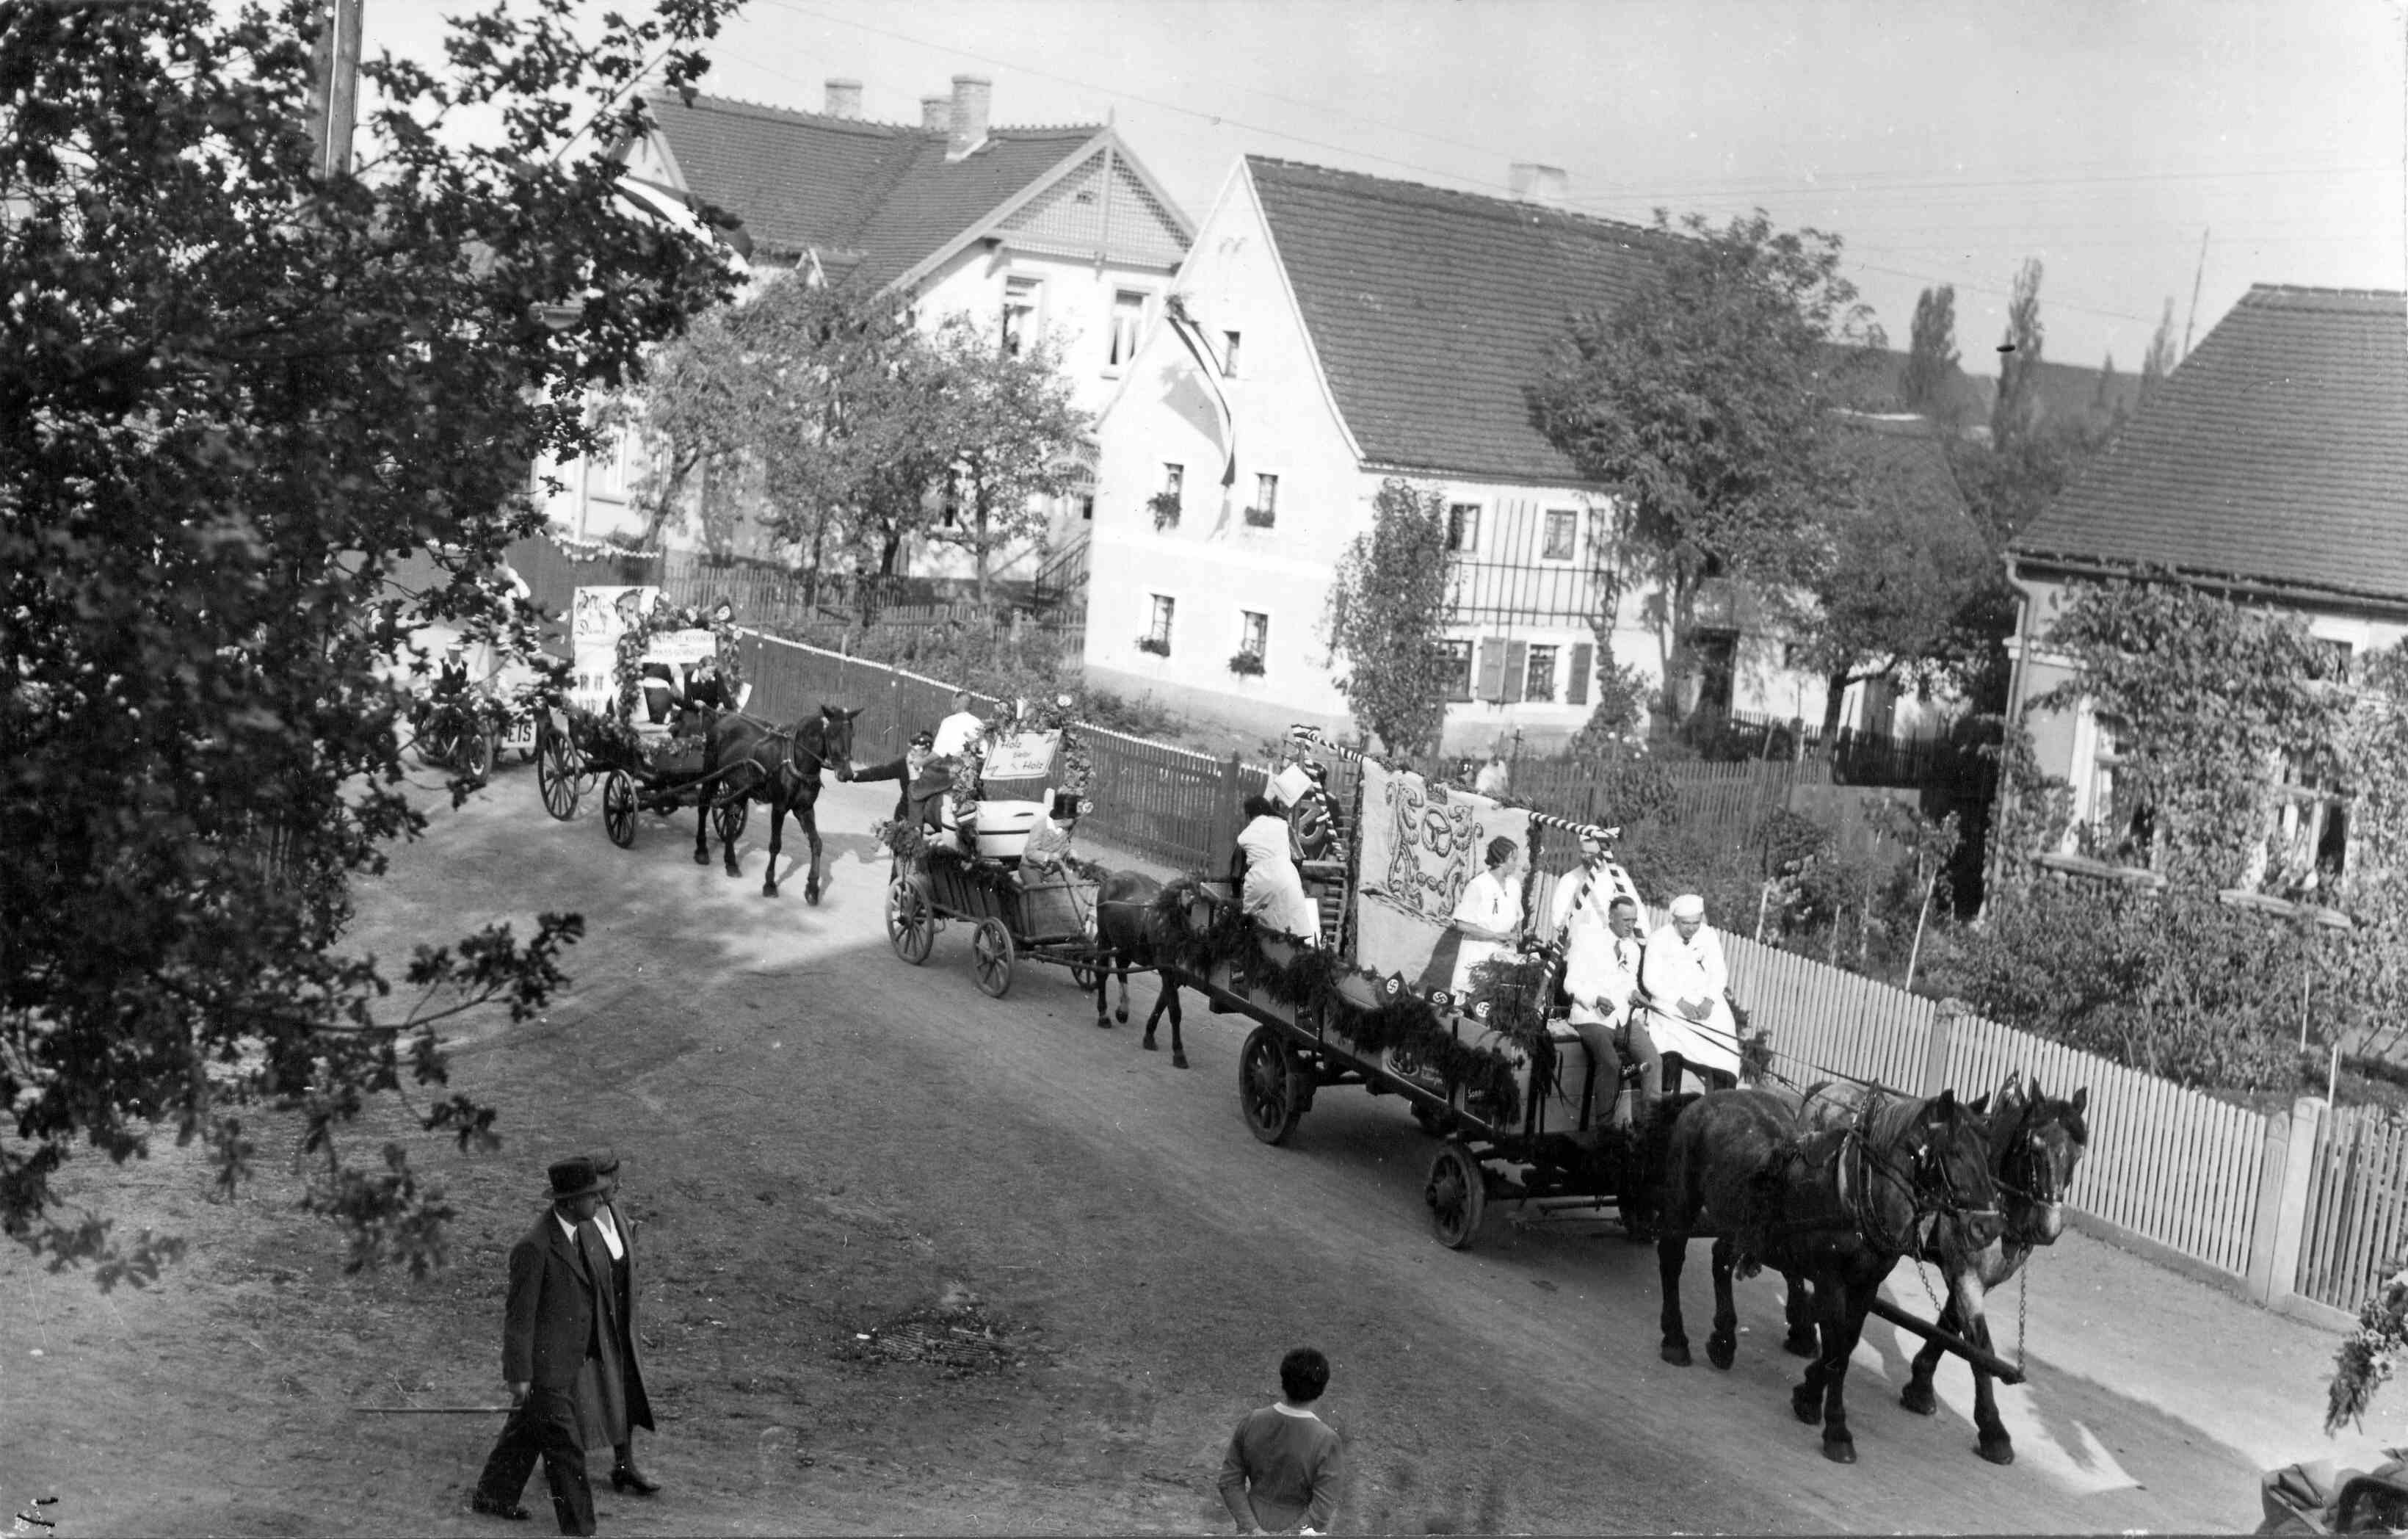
[1087, 975]
[727, 819]
[1457, 1195]
[911, 923]
[991, 954]
[439, 740]
[1269, 1091]
[619, 809]
[476, 760]
[555, 775]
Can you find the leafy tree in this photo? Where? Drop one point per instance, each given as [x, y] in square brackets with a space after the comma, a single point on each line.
[239, 395]
[1387, 613]
[1702, 402]
[1929, 384]
[1009, 432]
[830, 398]
[1908, 563]
[2106, 404]
[2160, 360]
[2016, 411]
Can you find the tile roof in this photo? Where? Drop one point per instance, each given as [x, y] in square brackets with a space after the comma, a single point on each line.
[877, 198]
[1908, 452]
[2277, 454]
[1433, 311]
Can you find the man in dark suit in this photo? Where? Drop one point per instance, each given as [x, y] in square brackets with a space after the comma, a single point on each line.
[550, 1327]
[611, 1255]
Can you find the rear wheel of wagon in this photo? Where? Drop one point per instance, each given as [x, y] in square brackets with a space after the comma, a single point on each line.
[727, 818]
[476, 754]
[1271, 1091]
[911, 923]
[619, 808]
[991, 953]
[1457, 1195]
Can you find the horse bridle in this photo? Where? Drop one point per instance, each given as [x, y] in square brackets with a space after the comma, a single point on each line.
[1930, 1188]
[2028, 1149]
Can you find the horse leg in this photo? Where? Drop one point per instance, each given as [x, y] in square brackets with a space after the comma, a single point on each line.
[1672, 1252]
[1799, 1311]
[1918, 1395]
[807, 813]
[777, 842]
[1104, 989]
[1996, 1444]
[1170, 997]
[1839, 1345]
[704, 800]
[1722, 1344]
[1806, 1400]
[1121, 1015]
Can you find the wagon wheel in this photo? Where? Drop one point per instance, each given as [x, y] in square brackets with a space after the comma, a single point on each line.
[438, 738]
[619, 809]
[555, 775]
[1457, 1194]
[911, 923]
[1088, 976]
[476, 760]
[991, 953]
[1269, 1092]
[727, 818]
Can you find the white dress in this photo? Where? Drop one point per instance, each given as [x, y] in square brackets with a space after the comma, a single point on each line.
[1274, 896]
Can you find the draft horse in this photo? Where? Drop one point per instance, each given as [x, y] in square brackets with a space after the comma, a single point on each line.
[778, 766]
[1835, 1207]
[1130, 920]
[2035, 1144]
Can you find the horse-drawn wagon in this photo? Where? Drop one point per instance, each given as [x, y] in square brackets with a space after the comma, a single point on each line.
[641, 768]
[1370, 1000]
[1001, 866]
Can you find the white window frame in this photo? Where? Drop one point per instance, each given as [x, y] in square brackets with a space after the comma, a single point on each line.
[1469, 679]
[1248, 639]
[1162, 614]
[1529, 665]
[1272, 478]
[1033, 327]
[1547, 517]
[1116, 360]
[1230, 341]
[2309, 795]
[1471, 546]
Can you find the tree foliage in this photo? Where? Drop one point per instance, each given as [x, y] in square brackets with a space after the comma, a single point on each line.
[2016, 411]
[1009, 433]
[1388, 615]
[238, 396]
[1928, 383]
[1702, 404]
[2160, 360]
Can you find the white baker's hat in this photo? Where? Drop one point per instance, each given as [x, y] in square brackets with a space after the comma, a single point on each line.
[1688, 906]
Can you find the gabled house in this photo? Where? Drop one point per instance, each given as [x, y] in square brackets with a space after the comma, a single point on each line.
[1332, 330]
[2271, 466]
[1052, 231]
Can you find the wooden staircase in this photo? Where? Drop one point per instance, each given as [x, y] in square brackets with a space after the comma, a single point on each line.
[1062, 577]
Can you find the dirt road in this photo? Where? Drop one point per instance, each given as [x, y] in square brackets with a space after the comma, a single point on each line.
[916, 1260]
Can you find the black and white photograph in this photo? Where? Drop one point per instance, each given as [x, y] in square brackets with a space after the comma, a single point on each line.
[1027, 767]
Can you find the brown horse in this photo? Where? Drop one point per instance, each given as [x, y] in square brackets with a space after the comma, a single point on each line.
[1128, 934]
[1837, 1207]
[780, 766]
[2035, 1144]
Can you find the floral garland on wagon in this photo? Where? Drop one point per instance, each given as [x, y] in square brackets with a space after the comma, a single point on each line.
[1309, 983]
[1054, 715]
[2368, 1356]
[660, 620]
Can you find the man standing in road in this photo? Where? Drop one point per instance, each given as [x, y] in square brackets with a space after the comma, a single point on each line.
[956, 732]
[551, 1329]
[612, 1261]
[1281, 1467]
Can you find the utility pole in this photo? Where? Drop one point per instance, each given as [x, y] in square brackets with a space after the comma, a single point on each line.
[335, 94]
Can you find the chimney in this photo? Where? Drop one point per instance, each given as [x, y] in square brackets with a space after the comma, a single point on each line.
[936, 114]
[968, 129]
[1544, 184]
[844, 98]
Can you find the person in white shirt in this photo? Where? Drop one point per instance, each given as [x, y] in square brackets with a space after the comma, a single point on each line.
[1688, 982]
[1488, 916]
[1603, 949]
[1493, 781]
[956, 732]
[1274, 892]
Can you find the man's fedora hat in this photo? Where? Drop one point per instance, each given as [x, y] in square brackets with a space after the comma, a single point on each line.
[573, 1178]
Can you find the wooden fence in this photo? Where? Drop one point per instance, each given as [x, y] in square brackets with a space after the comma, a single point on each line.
[2356, 1226]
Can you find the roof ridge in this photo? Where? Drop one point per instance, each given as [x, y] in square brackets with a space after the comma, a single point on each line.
[1488, 203]
[703, 101]
[2320, 291]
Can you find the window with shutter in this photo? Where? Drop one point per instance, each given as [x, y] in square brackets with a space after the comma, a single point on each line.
[1492, 669]
[1517, 659]
[1458, 670]
[1576, 681]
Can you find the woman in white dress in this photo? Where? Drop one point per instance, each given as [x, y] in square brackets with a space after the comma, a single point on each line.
[1274, 893]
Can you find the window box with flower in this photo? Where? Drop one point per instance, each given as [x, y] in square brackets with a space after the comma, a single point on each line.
[1158, 645]
[1247, 664]
[1261, 518]
[1165, 506]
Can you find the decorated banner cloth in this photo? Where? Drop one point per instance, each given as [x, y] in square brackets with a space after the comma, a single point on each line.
[601, 614]
[1421, 845]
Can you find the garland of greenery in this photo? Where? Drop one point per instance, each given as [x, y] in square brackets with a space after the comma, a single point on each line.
[2367, 1358]
[1309, 984]
[1024, 716]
